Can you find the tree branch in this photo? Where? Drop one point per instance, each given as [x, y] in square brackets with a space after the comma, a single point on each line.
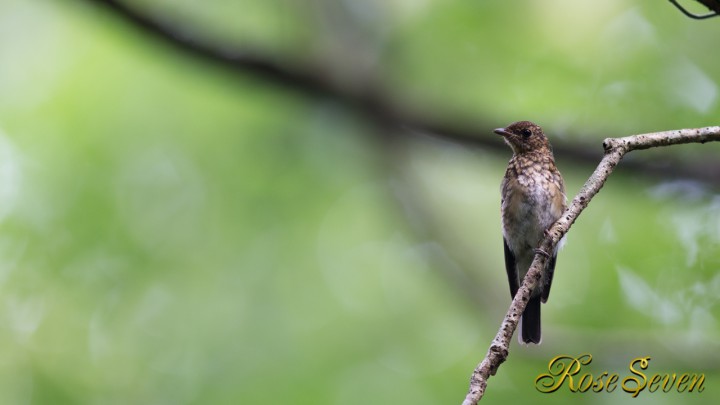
[615, 149]
[369, 99]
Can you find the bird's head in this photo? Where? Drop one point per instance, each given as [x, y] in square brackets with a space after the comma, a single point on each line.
[524, 136]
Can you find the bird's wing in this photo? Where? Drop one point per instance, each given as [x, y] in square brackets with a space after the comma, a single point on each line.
[558, 206]
[511, 270]
[550, 271]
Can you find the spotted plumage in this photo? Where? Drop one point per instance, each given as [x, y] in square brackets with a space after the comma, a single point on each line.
[533, 198]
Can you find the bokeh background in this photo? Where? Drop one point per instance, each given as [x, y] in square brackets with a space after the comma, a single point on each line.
[174, 232]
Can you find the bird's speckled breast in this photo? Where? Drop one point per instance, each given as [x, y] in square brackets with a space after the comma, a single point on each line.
[534, 200]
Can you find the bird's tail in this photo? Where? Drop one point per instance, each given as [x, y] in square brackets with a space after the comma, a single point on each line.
[530, 331]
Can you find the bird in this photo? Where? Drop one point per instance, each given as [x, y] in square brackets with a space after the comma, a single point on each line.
[533, 198]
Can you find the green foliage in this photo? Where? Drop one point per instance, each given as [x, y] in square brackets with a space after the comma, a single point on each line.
[175, 233]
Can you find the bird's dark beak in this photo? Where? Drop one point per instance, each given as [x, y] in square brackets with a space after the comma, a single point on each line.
[502, 132]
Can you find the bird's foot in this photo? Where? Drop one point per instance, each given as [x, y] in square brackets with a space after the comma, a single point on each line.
[542, 252]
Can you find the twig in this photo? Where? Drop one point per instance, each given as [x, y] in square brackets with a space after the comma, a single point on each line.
[615, 149]
[369, 100]
[713, 5]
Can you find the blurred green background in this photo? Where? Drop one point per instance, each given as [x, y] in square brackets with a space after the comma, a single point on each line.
[176, 233]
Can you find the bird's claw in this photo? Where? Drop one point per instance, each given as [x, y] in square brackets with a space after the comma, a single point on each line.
[542, 252]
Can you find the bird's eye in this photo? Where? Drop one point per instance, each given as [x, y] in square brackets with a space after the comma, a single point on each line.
[526, 132]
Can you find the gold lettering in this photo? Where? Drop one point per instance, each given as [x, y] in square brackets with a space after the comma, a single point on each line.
[612, 383]
[668, 387]
[598, 386]
[639, 386]
[561, 368]
[654, 383]
[697, 380]
[682, 382]
[568, 369]
[586, 378]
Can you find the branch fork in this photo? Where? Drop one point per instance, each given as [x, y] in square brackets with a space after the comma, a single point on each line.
[615, 149]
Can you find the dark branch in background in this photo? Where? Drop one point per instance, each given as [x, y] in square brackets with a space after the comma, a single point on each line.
[370, 101]
[615, 149]
[374, 104]
[712, 5]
